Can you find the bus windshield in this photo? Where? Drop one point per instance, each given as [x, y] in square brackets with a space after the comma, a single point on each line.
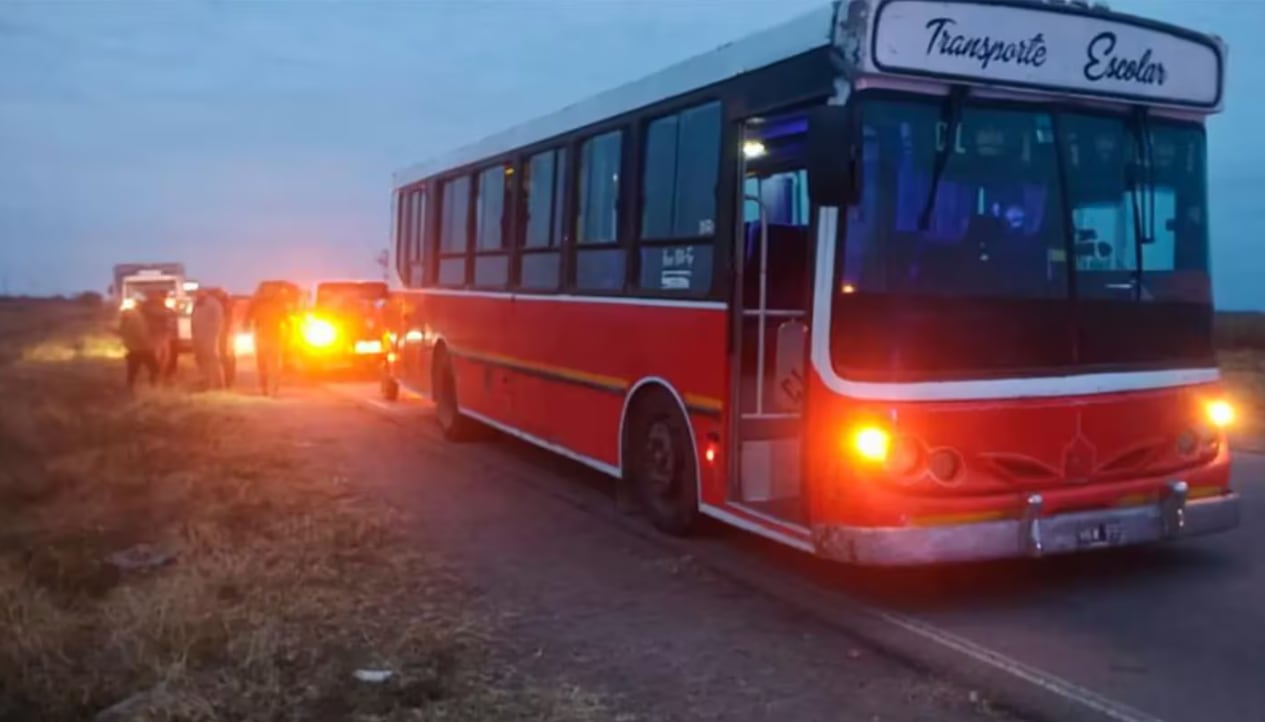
[998, 225]
[972, 270]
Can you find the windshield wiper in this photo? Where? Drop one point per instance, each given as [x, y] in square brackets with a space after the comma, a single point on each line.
[1141, 189]
[951, 116]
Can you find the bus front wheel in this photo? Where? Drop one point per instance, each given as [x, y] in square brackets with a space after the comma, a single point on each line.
[663, 470]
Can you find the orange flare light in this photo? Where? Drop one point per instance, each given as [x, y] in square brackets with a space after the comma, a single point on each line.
[1220, 413]
[871, 443]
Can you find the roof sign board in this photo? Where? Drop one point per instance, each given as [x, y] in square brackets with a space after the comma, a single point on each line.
[1049, 48]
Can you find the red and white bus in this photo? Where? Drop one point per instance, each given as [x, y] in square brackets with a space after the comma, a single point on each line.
[896, 282]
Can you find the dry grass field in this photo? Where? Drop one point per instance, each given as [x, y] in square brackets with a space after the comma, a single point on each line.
[171, 557]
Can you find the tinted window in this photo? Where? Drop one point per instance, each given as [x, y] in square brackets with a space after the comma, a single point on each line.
[1137, 198]
[489, 210]
[600, 269]
[559, 195]
[659, 183]
[682, 161]
[540, 271]
[540, 193]
[403, 226]
[993, 226]
[599, 188]
[455, 215]
[417, 248]
[491, 271]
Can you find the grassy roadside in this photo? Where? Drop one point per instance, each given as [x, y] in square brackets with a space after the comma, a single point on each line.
[263, 582]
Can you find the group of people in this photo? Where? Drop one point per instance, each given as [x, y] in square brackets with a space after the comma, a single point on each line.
[150, 333]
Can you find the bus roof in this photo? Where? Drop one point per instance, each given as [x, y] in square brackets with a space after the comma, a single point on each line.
[1055, 47]
[804, 33]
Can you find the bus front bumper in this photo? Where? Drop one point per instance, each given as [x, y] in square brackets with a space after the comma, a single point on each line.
[1032, 535]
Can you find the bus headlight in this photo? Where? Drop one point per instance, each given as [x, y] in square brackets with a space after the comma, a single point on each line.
[128, 304]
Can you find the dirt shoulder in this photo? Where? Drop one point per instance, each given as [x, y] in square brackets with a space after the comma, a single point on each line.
[188, 557]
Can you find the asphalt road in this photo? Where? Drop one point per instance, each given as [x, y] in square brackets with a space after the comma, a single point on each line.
[1173, 633]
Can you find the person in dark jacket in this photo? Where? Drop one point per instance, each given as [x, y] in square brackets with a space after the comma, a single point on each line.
[139, 343]
[228, 332]
[269, 320]
[161, 323]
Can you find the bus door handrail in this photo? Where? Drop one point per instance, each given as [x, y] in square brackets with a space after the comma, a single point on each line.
[762, 308]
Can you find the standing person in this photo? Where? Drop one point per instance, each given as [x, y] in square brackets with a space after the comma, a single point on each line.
[268, 319]
[161, 322]
[228, 332]
[207, 324]
[139, 343]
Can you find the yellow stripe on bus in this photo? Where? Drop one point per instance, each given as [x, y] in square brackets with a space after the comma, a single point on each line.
[694, 402]
[611, 382]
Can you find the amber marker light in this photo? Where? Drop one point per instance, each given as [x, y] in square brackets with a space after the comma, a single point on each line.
[870, 443]
[1220, 413]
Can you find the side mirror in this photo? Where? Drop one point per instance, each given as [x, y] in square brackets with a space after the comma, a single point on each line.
[832, 172]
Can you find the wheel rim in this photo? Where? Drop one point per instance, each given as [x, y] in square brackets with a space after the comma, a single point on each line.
[660, 461]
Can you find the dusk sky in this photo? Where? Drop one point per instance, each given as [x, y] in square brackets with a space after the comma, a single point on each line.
[258, 139]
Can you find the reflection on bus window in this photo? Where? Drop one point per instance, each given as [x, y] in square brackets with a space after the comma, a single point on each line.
[995, 227]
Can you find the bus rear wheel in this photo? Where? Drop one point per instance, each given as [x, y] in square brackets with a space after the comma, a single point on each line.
[454, 426]
[662, 467]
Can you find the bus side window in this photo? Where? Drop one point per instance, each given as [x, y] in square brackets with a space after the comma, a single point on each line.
[491, 260]
[453, 231]
[403, 228]
[678, 226]
[544, 177]
[599, 263]
[415, 274]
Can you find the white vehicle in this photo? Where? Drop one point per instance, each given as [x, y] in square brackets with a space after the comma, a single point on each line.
[133, 281]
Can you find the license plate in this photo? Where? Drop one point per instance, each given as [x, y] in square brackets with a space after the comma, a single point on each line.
[1099, 535]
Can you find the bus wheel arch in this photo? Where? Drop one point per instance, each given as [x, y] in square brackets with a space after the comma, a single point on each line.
[658, 455]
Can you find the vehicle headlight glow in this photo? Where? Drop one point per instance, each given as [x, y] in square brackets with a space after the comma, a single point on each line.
[128, 304]
[318, 332]
[244, 344]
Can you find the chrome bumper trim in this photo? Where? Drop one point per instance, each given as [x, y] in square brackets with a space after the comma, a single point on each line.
[1032, 535]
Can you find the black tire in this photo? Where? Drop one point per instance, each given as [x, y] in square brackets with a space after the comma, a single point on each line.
[662, 468]
[452, 423]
